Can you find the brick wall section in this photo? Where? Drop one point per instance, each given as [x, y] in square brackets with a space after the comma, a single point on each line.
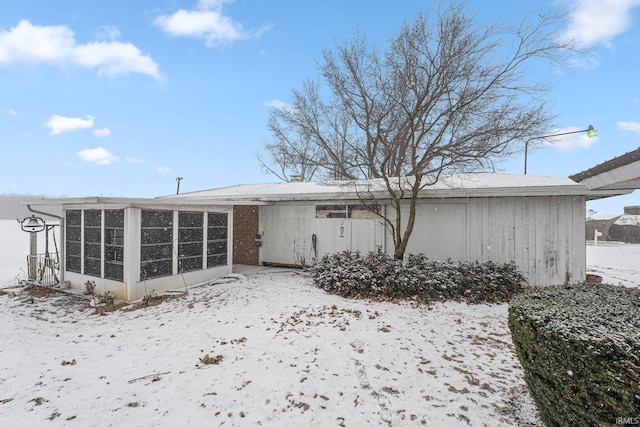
[632, 210]
[245, 229]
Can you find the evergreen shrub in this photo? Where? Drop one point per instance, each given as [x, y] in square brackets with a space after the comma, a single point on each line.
[579, 346]
[351, 274]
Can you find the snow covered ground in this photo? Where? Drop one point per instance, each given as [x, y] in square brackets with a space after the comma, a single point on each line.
[280, 352]
[617, 263]
[263, 348]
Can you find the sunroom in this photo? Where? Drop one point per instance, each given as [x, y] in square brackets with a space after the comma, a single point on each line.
[138, 247]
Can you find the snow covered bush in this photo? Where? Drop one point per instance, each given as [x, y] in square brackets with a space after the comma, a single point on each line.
[579, 346]
[376, 274]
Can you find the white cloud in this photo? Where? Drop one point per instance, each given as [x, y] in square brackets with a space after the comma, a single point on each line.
[275, 103]
[107, 32]
[161, 170]
[56, 45]
[104, 132]
[99, 156]
[206, 21]
[630, 126]
[133, 160]
[571, 142]
[279, 105]
[60, 124]
[598, 21]
[10, 112]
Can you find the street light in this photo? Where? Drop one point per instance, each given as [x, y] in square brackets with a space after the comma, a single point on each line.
[591, 132]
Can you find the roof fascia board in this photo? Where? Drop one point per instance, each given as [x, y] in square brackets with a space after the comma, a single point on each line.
[568, 190]
[623, 177]
[112, 202]
[601, 194]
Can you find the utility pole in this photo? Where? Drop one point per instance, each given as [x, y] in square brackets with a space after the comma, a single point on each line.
[178, 189]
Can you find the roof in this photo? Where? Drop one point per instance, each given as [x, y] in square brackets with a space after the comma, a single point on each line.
[460, 185]
[619, 173]
[448, 186]
[633, 220]
[603, 217]
[121, 202]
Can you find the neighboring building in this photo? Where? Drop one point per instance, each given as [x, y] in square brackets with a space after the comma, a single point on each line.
[601, 224]
[620, 173]
[616, 228]
[626, 228]
[135, 245]
[632, 210]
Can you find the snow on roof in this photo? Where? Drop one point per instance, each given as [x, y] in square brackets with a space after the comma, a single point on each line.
[460, 185]
[467, 185]
[628, 220]
[603, 217]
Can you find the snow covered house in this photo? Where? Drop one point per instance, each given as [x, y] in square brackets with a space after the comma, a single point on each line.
[597, 226]
[626, 228]
[135, 246]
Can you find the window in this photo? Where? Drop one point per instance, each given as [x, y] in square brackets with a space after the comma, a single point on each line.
[91, 232]
[190, 240]
[331, 211]
[93, 242]
[156, 244]
[114, 244]
[216, 239]
[73, 240]
[359, 211]
[363, 211]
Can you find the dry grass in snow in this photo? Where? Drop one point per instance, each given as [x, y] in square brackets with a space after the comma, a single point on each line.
[266, 349]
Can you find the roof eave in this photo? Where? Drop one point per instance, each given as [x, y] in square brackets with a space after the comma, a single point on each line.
[121, 202]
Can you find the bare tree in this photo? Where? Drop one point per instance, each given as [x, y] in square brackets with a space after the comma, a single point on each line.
[310, 139]
[446, 95]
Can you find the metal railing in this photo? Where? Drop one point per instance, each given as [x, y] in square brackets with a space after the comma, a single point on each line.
[43, 269]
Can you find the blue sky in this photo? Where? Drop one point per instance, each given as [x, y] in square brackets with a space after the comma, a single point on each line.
[119, 98]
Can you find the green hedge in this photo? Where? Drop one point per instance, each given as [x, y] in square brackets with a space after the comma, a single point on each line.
[351, 274]
[579, 346]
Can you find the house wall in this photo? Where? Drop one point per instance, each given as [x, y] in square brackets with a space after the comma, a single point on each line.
[544, 236]
[626, 229]
[440, 230]
[348, 234]
[632, 210]
[245, 230]
[292, 235]
[287, 232]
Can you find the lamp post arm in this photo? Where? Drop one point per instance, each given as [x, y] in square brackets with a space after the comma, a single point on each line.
[526, 144]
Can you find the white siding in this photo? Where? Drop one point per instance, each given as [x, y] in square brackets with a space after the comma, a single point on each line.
[544, 236]
[338, 234]
[440, 230]
[287, 232]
